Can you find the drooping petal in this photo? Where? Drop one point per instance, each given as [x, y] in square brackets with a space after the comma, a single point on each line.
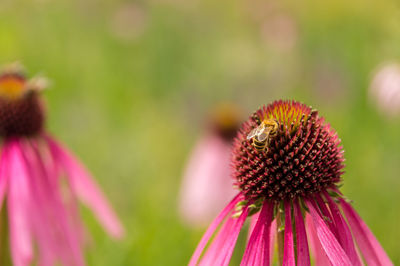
[58, 234]
[303, 256]
[250, 254]
[87, 190]
[257, 252]
[211, 229]
[3, 173]
[288, 251]
[370, 248]
[207, 182]
[223, 252]
[328, 241]
[318, 252]
[326, 214]
[344, 235]
[18, 207]
[253, 222]
[217, 244]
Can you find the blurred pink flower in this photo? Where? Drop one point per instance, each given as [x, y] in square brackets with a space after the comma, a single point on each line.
[207, 183]
[40, 183]
[129, 22]
[385, 89]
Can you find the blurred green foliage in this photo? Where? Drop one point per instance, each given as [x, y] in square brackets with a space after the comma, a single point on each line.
[132, 80]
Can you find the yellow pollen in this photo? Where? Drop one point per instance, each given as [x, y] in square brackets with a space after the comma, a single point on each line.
[12, 88]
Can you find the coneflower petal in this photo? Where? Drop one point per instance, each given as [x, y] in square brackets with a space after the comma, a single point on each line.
[258, 248]
[268, 247]
[273, 232]
[303, 255]
[211, 229]
[345, 238]
[225, 254]
[18, 208]
[87, 190]
[320, 256]
[326, 214]
[253, 222]
[61, 233]
[328, 241]
[41, 227]
[366, 241]
[218, 243]
[258, 258]
[3, 174]
[288, 251]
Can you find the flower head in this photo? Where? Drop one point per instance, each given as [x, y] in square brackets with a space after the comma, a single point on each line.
[303, 156]
[40, 182]
[21, 111]
[287, 162]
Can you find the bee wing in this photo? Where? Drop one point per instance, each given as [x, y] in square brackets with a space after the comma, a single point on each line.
[263, 136]
[252, 133]
[260, 129]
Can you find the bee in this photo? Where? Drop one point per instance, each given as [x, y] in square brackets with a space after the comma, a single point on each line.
[262, 134]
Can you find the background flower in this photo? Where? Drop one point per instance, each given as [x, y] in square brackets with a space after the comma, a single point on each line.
[41, 182]
[207, 182]
[385, 89]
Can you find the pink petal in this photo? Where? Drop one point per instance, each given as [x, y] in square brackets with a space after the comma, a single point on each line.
[87, 190]
[320, 256]
[225, 258]
[227, 241]
[288, 251]
[303, 256]
[18, 207]
[372, 251]
[273, 233]
[218, 243]
[3, 173]
[326, 214]
[328, 241]
[55, 223]
[207, 182]
[211, 229]
[253, 222]
[273, 229]
[258, 248]
[344, 234]
[250, 254]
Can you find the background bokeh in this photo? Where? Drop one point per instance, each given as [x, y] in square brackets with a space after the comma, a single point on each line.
[133, 80]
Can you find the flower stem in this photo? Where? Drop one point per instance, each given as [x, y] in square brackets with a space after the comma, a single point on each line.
[5, 258]
[280, 236]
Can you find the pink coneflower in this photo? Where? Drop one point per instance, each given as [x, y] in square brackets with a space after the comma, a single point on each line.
[40, 182]
[384, 91]
[288, 164]
[207, 182]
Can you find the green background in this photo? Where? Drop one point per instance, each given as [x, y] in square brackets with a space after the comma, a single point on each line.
[132, 82]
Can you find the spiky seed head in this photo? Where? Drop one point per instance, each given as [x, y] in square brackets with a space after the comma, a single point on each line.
[302, 158]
